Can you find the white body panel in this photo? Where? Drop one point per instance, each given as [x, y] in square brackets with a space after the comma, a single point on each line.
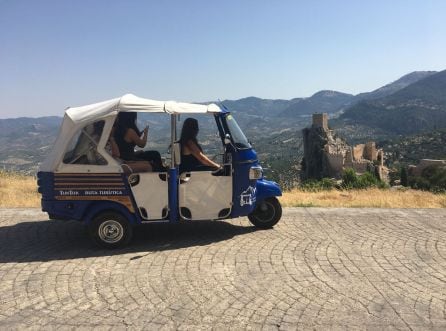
[206, 195]
[151, 193]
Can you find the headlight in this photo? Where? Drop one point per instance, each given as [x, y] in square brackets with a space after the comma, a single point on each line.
[255, 172]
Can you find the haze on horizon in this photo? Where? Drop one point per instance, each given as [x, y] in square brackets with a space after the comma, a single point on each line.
[56, 54]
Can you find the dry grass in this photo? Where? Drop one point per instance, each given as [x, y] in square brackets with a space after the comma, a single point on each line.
[21, 191]
[373, 198]
[18, 190]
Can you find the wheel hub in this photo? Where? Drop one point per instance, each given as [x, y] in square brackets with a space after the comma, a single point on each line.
[263, 207]
[111, 231]
[265, 212]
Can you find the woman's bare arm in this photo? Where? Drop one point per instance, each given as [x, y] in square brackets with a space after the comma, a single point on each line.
[195, 151]
[132, 136]
[114, 147]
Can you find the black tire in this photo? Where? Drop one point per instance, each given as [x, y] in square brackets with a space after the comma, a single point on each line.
[266, 214]
[110, 230]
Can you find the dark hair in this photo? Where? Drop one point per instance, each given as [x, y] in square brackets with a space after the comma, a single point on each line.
[125, 121]
[189, 132]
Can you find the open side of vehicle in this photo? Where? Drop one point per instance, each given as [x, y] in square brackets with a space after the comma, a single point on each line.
[80, 179]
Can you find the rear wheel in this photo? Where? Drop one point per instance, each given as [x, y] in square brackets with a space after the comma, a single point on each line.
[266, 214]
[110, 230]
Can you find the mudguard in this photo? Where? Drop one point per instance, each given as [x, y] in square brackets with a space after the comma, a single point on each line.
[106, 205]
[266, 189]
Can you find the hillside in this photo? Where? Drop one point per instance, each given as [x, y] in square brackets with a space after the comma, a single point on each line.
[24, 142]
[409, 150]
[418, 107]
[259, 107]
[320, 102]
[395, 86]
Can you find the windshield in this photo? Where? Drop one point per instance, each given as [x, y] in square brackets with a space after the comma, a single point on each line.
[238, 138]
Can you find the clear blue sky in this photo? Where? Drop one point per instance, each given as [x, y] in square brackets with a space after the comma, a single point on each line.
[55, 54]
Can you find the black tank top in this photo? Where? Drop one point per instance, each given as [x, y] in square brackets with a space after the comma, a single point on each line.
[126, 150]
[189, 163]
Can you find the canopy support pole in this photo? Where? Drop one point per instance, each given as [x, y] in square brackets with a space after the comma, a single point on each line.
[173, 173]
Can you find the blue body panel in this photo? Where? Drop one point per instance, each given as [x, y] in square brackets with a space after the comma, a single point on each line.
[267, 189]
[173, 195]
[244, 189]
[95, 208]
[246, 192]
[81, 196]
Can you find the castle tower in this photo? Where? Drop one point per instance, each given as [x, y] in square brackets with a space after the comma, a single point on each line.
[320, 120]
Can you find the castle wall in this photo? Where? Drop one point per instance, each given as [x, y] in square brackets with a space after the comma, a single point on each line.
[360, 167]
[358, 152]
[383, 173]
[417, 170]
[336, 162]
[380, 157]
[314, 141]
[370, 151]
[348, 161]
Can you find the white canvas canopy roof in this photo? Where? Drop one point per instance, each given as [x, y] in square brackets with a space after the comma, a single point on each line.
[78, 117]
[130, 102]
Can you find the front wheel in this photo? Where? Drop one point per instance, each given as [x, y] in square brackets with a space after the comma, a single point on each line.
[110, 230]
[266, 214]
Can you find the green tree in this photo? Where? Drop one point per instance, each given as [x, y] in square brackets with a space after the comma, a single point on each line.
[404, 177]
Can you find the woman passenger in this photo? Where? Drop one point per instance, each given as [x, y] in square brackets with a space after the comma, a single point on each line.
[192, 157]
[127, 136]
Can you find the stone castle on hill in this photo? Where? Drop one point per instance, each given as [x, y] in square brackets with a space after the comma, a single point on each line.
[326, 155]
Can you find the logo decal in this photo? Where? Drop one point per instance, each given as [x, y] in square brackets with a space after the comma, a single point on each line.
[248, 197]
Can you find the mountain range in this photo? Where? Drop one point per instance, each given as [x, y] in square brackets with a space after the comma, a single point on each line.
[413, 104]
[418, 107]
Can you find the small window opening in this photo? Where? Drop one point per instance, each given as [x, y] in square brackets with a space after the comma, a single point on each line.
[83, 147]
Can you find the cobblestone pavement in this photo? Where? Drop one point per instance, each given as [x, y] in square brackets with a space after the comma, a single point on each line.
[317, 269]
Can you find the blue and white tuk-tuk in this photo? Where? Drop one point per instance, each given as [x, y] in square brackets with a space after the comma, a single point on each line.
[80, 180]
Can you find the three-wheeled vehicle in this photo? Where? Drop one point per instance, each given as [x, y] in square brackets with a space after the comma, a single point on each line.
[80, 180]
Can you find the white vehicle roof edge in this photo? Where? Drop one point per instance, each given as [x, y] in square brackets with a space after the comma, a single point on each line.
[130, 102]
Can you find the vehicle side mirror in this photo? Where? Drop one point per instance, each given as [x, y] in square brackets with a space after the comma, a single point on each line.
[176, 153]
[227, 139]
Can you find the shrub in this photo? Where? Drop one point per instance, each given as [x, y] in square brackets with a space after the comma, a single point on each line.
[350, 180]
[419, 183]
[433, 178]
[367, 180]
[328, 183]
